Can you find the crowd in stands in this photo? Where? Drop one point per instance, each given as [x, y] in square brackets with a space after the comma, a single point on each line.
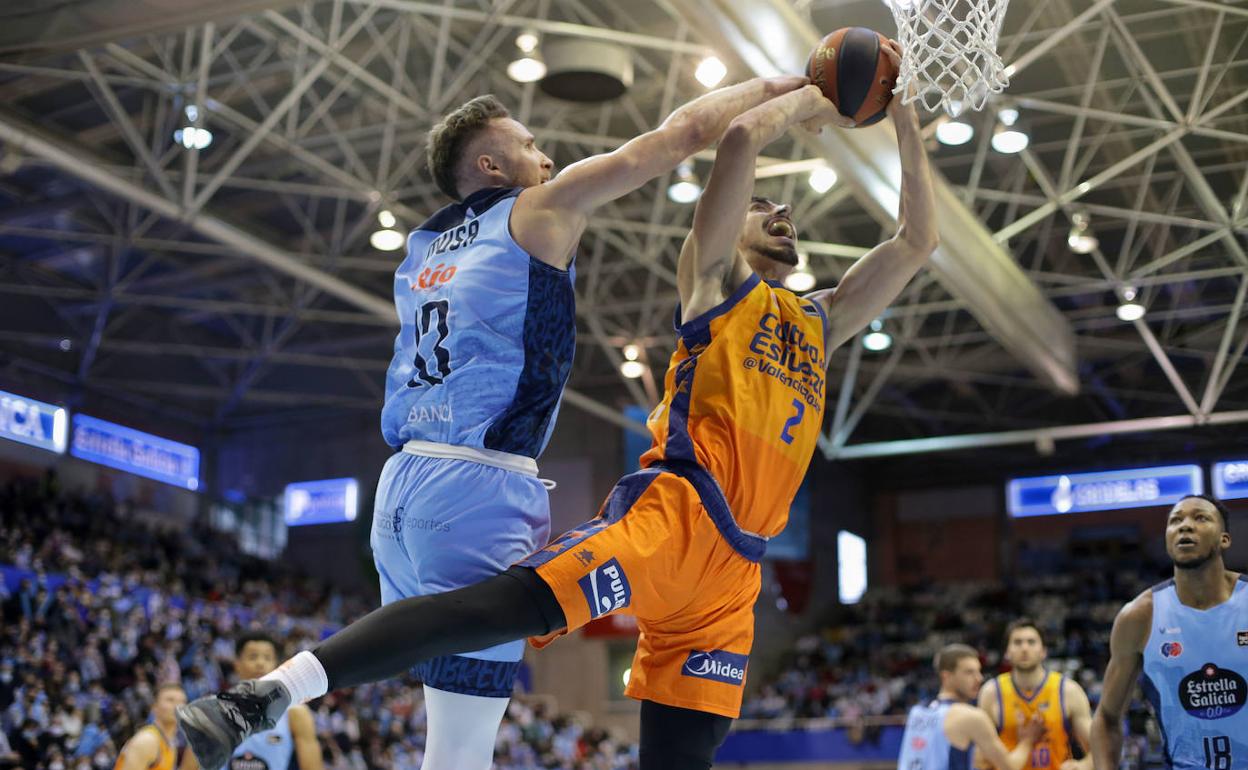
[106, 608]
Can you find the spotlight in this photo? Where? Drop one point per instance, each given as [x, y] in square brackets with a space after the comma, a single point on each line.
[527, 41]
[822, 178]
[193, 138]
[632, 369]
[527, 69]
[954, 132]
[1009, 138]
[1081, 239]
[710, 71]
[1130, 310]
[1009, 141]
[387, 240]
[685, 188]
[386, 219]
[632, 352]
[878, 339]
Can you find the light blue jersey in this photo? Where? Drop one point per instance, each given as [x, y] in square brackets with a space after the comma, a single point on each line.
[1195, 665]
[269, 750]
[924, 745]
[487, 334]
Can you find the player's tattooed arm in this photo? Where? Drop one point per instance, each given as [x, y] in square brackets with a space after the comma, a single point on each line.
[549, 218]
[874, 281]
[709, 253]
[1126, 646]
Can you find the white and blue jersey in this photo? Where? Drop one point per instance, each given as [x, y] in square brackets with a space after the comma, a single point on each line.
[486, 338]
[269, 750]
[484, 349]
[1195, 665]
[924, 745]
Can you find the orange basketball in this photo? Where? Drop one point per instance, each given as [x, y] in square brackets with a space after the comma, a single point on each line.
[851, 69]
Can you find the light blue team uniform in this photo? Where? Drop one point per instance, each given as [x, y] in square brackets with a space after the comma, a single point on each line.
[924, 745]
[1195, 666]
[484, 350]
[269, 750]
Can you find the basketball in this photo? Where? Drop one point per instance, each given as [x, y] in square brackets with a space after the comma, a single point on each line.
[851, 69]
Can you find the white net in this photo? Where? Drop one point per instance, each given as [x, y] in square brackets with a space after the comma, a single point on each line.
[951, 56]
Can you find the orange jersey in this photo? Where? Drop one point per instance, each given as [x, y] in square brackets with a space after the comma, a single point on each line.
[1014, 709]
[166, 757]
[744, 398]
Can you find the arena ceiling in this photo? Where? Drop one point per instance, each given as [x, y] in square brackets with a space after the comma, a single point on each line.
[236, 283]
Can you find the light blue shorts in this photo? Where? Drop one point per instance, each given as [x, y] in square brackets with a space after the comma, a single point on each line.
[441, 524]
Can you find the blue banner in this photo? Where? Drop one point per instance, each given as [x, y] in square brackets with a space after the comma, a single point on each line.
[1104, 491]
[33, 422]
[330, 501]
[134, 451]
[1230, 479]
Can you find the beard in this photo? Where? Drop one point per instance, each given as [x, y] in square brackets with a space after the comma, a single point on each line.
[1194, 562]
[785, 255]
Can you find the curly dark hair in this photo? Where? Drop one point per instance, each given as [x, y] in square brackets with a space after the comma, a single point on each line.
[448, 138]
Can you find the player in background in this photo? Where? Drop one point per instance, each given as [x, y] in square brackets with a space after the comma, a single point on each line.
[487, 333]
[1029, 689]
[1186, 641]
[678, 544]
[255, 654]
[943, 734]
[155, 745]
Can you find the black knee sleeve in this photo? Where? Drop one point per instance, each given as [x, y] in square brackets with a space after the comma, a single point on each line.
[390, 640]
[679, 739]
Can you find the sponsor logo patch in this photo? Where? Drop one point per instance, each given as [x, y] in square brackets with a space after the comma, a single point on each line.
[1212, 692]
[1241, 638]
[606, 588]
[1171, 649]
[716, 665]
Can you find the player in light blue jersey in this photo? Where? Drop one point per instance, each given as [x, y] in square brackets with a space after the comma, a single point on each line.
[943, 734]
[487, 334]
[255, 654]
[1189, 636]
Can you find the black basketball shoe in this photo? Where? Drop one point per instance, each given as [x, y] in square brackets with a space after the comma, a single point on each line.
[215, 725]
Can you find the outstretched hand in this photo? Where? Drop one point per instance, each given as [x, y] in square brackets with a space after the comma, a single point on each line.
[895, 108]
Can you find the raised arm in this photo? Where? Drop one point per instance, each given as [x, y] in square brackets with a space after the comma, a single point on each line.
[706, 259]
[548, 219]
[874, 281]
[1126, 642]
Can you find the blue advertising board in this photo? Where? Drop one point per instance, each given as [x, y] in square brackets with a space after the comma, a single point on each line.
[134, 451]
[32, 422]
[1230, 479]
[329, 501]
[1102, 491]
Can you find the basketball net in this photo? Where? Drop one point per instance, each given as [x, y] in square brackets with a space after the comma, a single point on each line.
[951, 56]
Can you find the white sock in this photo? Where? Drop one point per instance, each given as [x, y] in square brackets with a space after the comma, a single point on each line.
[302, 676]
[461, 730]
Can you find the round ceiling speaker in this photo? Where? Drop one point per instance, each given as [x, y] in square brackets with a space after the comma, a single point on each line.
[586, 70]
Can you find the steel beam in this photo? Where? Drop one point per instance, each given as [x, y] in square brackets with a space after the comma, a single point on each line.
[769, 37]
[1006, 438]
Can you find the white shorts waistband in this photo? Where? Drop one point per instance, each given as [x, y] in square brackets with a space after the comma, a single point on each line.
[491, 457]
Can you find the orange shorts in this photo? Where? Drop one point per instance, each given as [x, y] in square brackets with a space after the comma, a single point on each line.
[665, 548]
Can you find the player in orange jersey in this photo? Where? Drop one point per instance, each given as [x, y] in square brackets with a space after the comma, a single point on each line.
[678, 543]
[154, 746]
[1031, 690]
